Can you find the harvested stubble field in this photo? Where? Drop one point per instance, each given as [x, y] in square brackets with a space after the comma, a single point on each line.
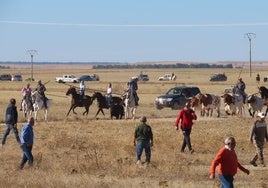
[80, 151]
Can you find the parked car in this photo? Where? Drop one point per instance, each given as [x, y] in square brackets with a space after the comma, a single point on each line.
[85, 78]
[95, 77]
[218, 77]
[67, 78]
[5, 77]
[167, 77]
[176, 97]
[143, 77]
[16, 77]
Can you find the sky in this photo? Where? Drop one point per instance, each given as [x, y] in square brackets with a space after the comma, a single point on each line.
[130, 31]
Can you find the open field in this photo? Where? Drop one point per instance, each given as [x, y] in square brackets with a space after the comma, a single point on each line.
[80, 151]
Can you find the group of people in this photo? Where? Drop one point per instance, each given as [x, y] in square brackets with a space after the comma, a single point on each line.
[26, 139]
[226, 158]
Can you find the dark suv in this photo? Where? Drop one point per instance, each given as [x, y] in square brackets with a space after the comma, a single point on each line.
[218, 77]
[176, 97]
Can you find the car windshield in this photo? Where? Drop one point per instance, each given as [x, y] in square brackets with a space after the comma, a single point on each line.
[174, 91]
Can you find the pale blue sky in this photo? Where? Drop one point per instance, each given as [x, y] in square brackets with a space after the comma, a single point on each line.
[133, 31]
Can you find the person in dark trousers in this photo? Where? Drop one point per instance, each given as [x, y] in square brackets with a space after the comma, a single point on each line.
[258, 78]
[134, 87]
[228, 163]
[11, 121]
[143, 139]
[185, 119]
[257, 135]
[41, 90]
[27, 140]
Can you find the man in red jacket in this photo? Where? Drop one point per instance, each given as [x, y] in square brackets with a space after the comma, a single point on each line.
[185, 118]
[228, 163]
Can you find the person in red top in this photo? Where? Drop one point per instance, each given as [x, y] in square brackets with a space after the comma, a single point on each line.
[228, 163]
[185, 119]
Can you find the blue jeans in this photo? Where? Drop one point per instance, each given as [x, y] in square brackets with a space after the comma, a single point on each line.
[27, 155]
[226, 181]
[147, 147]
[6, 133]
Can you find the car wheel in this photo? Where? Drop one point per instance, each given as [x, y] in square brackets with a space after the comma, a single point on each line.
[60, 81]
[175, 106]
[158, 107]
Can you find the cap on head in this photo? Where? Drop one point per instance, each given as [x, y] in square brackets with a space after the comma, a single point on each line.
[240, 79]
[261, 115]
[143, 119]
[39, 81]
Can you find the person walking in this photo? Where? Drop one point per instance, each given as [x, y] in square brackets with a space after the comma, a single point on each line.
[228, 163]
[143, 139]
[257, 135]
[27, 139]
[258, 78]
[11, 121]
[41, 90]
[185, 119]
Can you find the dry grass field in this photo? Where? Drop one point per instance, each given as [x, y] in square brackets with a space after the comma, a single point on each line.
[82, 151]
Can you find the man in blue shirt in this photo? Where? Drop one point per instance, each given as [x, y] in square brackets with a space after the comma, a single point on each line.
[27, 139]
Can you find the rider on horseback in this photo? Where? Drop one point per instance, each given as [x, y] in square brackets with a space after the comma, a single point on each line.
[240, 89]
[41, 90]
[109, 94]
[26, 95]
[82, 88]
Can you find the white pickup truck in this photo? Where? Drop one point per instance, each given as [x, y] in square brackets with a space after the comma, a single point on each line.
[67, 78]
[167, 77]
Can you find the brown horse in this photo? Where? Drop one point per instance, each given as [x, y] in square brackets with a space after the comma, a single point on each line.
[102, 102]
[77, 102]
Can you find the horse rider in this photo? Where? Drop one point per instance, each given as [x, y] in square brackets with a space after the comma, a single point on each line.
[240, 89]
[26, 95]
[109, 94]
[41, 90]
[82, 88]
[134, 87]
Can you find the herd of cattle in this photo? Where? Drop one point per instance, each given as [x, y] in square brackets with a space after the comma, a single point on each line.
[233, 103]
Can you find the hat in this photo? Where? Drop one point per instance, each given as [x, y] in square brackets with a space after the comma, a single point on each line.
[261, 115]
[143, 119]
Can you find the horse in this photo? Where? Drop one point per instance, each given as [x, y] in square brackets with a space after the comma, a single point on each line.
[102, 102]
[38, 104]
[77, 102]
[27, 106]
[130, 105]
[264, 92]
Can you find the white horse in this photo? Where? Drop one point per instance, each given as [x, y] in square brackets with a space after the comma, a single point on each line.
[38, 104]
[26, 108]
[130, 106]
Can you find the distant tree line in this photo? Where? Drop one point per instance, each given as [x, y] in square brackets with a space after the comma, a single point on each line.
[160, 66]
[4, 67]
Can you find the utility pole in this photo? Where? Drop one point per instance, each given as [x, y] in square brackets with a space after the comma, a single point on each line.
[250, 36]
[32, 53]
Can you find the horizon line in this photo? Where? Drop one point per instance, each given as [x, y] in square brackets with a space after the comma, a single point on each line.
[134, 25]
